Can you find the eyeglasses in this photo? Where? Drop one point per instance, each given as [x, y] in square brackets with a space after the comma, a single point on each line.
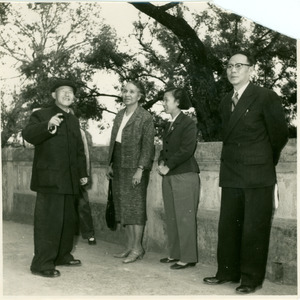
[237, 66]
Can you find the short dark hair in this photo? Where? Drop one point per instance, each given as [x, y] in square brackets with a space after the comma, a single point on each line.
[181, 95]
[141, 88]
[250, 58]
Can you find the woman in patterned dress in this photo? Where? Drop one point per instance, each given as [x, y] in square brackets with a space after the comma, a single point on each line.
[130, 159]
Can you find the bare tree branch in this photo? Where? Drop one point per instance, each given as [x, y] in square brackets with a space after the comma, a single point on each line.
[94, 92]
[109, 111]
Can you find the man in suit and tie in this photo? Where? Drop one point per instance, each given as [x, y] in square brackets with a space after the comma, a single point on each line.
[254, 132]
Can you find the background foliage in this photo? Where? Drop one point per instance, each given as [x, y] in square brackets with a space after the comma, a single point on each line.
[174, 47]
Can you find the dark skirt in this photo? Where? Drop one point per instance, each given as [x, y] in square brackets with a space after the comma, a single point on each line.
[129, 201]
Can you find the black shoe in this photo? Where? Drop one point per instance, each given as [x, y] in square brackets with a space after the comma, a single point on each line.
[72, 263]
[214, 280]
[47, 273]
[168, 260]
[247, 289]
[92, 241]
[178, 267]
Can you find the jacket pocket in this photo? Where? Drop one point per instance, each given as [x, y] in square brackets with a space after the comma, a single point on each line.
[47, 177]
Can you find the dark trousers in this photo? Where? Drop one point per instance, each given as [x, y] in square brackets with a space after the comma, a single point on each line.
[54, 226]
[244, 233]
[84, 212]
[181, 198]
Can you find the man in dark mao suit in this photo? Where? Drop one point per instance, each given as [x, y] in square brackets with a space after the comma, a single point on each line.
[254, 133]
[59, 166]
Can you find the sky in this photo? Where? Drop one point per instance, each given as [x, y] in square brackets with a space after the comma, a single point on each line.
[277, 15]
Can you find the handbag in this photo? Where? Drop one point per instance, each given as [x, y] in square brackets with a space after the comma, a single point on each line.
[110, 209]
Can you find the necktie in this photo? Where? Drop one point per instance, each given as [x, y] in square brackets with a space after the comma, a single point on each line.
[235, 100]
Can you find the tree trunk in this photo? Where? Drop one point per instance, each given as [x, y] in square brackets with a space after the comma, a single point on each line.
[205, 98]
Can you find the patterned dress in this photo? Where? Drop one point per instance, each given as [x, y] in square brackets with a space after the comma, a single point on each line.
[135, 149]
[130, 202]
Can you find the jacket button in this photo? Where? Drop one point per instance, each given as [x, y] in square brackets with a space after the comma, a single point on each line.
[222, 159]
[166, 159]
[166, 150]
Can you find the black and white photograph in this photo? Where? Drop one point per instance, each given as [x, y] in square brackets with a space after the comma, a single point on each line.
[149, 149]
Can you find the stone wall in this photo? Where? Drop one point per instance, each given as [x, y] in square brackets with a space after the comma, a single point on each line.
[18, 205]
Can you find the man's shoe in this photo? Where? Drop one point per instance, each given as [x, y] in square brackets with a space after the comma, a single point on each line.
[72, 263]
[92, 241]
[247, 289]
[168, 260]
[214, 280]
[47, 273]
[178, 267]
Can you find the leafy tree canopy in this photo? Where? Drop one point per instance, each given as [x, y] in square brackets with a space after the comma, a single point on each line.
[174, 46]
[50, 44]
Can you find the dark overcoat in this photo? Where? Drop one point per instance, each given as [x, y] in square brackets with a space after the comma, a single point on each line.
[137, 145]
[59, 160]
[253, 137]
[179, 146]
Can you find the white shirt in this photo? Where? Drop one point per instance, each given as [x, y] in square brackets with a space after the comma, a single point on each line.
[123, 123]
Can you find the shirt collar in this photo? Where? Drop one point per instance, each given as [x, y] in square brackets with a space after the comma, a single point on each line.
[173, 120]
[242, 89]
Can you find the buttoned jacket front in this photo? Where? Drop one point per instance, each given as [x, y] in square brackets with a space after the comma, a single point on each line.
[253, 137]
[137, 145]
[59, 160]
[179, 146]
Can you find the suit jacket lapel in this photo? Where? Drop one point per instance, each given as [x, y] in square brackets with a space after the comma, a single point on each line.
[244, 102]
[134, 116]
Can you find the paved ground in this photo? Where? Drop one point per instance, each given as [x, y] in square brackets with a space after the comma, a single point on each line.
[103, 275]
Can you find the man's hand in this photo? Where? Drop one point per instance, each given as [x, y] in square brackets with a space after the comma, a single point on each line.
[83, 181]
[55, 121]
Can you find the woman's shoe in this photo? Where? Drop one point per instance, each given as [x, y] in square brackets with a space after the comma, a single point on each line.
[122, 254]
[179, 266]
[133, 256]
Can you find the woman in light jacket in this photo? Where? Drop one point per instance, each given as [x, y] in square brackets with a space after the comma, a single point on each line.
[181, 182]
[130, 160]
